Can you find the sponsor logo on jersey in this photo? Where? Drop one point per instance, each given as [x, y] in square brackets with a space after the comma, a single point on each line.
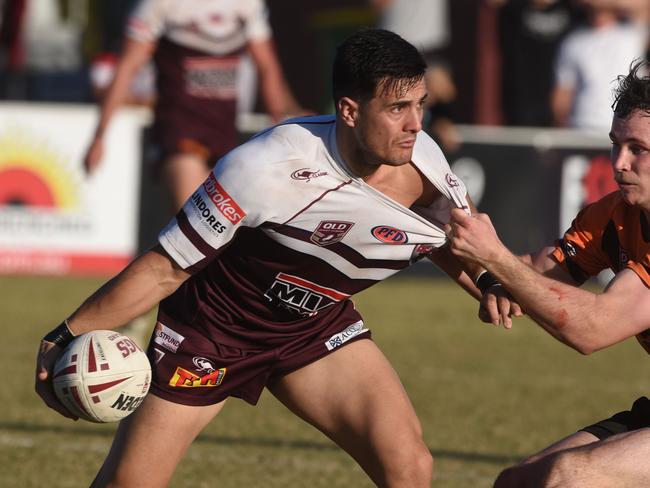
[420, 251]
[183, 378]
[224, 202]
[330, 231]
[127, 402]
[167, 338]
[203, 364]
[452, 180]
[389, 235]
[342, 337]
[208, 217]
[305, 174]
[302, 296]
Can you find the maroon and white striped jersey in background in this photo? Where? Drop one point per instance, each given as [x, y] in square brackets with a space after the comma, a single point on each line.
[281, 234]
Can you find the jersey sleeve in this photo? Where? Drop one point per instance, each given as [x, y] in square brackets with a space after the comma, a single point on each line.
[256, 22]
[238, 193]
[580, 251]
[147, 22]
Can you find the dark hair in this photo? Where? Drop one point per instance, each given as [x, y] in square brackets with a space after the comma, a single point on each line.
[373, 57]
[633, 92]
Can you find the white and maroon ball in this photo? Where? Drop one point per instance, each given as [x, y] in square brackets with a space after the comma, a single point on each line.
[102, 376]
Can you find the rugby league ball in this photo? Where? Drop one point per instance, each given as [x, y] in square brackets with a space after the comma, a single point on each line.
[102, 376]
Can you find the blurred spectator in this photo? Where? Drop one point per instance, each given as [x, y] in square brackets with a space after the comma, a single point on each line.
[42, 47]
[196, 46]
[590, 59]
[530, 33]
[425, 24]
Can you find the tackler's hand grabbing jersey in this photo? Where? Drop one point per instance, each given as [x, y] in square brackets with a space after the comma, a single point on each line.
[300, 232]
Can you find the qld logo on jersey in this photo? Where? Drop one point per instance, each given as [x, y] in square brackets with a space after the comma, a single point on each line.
[302, 296]
[389, 235]
[330, 231]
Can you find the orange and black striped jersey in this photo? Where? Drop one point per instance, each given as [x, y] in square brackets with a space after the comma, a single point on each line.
[608, 233]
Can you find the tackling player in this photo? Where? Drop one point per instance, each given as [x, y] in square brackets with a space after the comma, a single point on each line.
[255, 273]
[614, 233]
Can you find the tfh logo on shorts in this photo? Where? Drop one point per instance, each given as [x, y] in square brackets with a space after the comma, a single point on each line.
[167, 338]
[342, 337]
[330, 231]
[183, 378]
[224, 202]
[302, 296]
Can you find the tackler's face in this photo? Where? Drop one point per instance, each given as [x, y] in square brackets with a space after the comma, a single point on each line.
[630, 157]
[387, 125]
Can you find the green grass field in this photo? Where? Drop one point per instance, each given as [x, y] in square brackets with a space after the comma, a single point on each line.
[486, 397]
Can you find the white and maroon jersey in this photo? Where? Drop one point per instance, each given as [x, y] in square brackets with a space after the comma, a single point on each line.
[282, 233]
[216, 27]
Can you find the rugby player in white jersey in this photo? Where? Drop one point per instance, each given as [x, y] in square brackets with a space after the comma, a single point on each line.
[254, 274]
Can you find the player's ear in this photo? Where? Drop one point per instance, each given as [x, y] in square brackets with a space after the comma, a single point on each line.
[348, 110]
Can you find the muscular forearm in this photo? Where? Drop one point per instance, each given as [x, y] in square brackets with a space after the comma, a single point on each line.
[563, 310]
[137, 289]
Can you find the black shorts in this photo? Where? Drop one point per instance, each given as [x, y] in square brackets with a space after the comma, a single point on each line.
[192, 369]
[638, 417]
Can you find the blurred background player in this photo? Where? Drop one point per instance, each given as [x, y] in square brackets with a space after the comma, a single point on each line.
[196, 46]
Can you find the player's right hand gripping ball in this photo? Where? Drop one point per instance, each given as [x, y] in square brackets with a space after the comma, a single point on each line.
[102, 376]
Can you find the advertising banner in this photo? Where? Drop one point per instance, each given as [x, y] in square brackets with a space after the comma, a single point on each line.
[54, 219]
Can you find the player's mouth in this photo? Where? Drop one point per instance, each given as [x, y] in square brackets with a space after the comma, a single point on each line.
[407, 144]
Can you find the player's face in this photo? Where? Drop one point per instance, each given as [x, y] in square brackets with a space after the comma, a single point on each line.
[631, 157]
[388, 123]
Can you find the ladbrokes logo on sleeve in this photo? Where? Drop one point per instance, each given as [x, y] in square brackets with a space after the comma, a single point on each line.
[224, 202]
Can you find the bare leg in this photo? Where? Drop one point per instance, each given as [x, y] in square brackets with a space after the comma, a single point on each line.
[618, 461]
[150, 443]
[355, 397]
[182, 174]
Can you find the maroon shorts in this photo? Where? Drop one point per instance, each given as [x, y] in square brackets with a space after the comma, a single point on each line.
[192, 369]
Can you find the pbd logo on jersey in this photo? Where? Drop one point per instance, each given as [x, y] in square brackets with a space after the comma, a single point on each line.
[389, 235]
[302, 296]
[330, 231]
[183, 378]
[305, 174]
[452, 180]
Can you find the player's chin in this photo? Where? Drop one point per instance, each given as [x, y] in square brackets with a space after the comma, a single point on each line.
[399, 158]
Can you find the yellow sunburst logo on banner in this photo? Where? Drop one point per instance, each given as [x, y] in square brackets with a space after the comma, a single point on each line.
[34, 175]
